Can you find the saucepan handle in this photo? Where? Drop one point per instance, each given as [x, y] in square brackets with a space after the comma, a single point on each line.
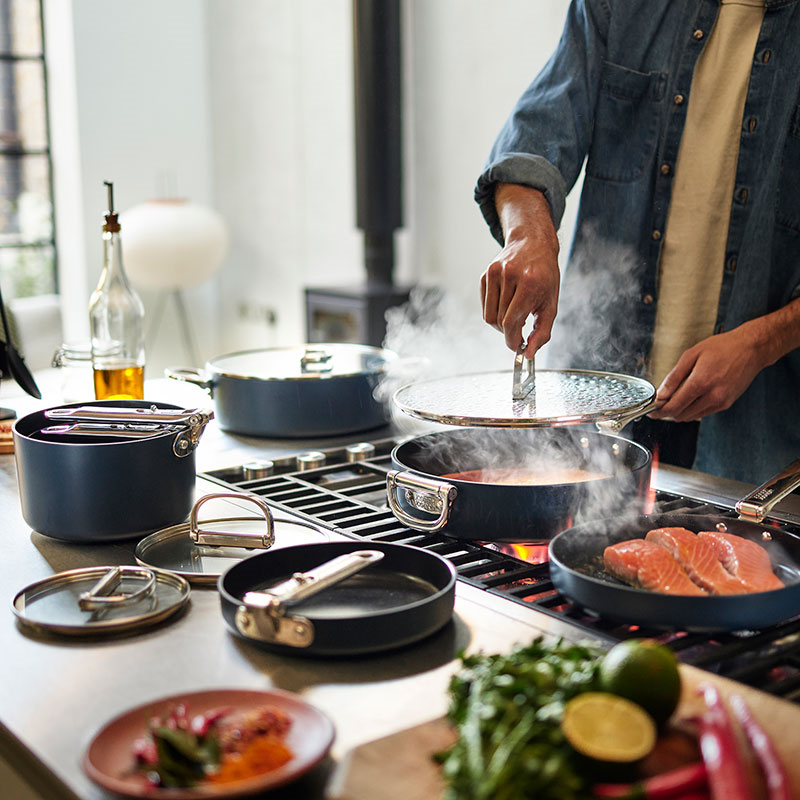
[614, 426]
[756, 505]
[441, 493]
[189, 375]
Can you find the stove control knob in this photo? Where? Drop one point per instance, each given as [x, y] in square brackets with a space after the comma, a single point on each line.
[258, 468]
[359, 452]
[311, 460]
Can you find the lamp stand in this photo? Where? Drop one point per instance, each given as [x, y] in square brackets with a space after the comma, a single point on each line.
[183, 321]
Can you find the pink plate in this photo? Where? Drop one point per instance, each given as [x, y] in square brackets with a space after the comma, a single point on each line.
[109, 760]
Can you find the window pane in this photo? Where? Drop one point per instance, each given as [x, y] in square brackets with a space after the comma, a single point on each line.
[26, 214]
[21, 21]
[23, 123]
[27, 271]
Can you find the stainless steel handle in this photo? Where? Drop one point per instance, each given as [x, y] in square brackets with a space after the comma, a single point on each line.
[110, 429]
[522, 386]
[186, 416]
[303, 585]
[100, 597]
[262, 614]
[441, 491]
[316, 360]
[756, 505]
[190, 375]
[262, 541]
[614, 426]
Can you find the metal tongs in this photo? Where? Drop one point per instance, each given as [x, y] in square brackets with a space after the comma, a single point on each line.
[263, 616]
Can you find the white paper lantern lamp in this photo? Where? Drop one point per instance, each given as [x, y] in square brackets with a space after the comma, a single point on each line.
[169, 245]
[172, 243]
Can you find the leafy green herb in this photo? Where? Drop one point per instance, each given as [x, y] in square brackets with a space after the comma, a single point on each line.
[184, 758]
[507, 710]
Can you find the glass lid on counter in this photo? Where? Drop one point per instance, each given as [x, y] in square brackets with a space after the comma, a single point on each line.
[97, 601]
[200, 553]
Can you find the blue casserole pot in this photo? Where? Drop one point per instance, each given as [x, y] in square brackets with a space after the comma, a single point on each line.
[313, 390]
[97, 489]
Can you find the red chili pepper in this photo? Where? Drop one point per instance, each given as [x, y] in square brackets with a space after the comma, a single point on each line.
[772, 768]
[727, 773]
[664, 786]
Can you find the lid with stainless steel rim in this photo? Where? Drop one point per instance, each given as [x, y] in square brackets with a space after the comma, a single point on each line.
[100, 601]
[305, 362]
[201, 554]
[526, 397]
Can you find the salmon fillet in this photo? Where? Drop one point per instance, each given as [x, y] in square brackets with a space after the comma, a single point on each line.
[698, 558]
[645, 564]
[744, 559]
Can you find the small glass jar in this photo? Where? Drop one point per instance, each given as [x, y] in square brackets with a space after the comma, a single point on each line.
[75, 362]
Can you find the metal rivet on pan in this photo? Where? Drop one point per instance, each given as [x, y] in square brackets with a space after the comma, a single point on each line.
[360, 451]
[766, 536]
[722, 527]
[259, 468]
[584, 442]
[310, 460]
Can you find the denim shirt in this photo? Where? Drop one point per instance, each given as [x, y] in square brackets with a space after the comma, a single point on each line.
[615, 95]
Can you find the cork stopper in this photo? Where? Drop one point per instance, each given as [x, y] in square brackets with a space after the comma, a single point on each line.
[111, 217]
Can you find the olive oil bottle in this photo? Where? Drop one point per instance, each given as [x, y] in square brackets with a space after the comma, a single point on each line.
[116, 322]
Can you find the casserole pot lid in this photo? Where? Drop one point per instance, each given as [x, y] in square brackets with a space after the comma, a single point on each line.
[303, 362]
[186, 549]
[97, 601]
[544, 398]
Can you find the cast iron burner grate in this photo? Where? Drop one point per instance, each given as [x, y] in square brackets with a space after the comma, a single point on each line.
[349, 497]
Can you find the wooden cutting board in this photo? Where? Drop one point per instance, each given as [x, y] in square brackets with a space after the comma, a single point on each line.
[400, 766]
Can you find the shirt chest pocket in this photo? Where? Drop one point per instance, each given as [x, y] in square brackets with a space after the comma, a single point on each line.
[626, 123]
[787, 202]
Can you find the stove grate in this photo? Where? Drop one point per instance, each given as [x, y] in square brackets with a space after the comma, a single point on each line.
[350, 499]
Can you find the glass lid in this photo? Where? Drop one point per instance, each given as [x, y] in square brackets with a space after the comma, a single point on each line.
[304, 362]
[526, 397]
[95, 601]
[201, 555]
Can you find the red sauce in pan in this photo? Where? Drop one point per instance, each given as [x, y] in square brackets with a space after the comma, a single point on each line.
[524, 476]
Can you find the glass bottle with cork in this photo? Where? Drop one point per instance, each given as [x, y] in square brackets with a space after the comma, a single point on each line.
[116, 322]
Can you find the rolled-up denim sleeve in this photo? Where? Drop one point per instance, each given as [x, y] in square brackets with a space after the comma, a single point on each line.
[545, 140]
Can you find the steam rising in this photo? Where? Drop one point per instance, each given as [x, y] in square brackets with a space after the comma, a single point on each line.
[438, 334]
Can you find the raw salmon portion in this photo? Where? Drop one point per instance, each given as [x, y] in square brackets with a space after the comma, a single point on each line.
[744, 559]
[646, 564]
[698, 558]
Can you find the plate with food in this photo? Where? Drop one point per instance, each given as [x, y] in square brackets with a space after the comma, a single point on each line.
[680, 570]
[207, 744]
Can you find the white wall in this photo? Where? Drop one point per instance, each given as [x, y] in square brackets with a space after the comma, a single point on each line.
[248, 105]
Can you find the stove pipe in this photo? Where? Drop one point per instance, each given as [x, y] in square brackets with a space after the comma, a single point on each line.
[378, 132]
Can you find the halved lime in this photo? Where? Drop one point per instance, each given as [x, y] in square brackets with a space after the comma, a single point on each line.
[607, 727]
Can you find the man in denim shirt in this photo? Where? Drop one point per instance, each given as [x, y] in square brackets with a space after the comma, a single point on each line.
[702, 199]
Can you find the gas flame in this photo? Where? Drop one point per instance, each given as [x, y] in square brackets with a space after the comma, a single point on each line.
[650, 498]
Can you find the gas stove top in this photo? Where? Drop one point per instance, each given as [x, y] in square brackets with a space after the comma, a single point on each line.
[344, 489]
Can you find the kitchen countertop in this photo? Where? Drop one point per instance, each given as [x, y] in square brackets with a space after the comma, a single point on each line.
[57, 693]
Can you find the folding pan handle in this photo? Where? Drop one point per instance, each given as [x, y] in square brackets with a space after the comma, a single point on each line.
[418, 490]
[218, 538]
[756, 505]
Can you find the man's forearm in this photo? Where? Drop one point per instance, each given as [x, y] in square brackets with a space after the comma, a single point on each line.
[525, 213]
[777, 333]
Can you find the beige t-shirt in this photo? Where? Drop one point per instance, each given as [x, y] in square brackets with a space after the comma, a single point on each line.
[693, 250]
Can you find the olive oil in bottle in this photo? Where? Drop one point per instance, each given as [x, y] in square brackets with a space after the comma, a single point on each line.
[116, 322]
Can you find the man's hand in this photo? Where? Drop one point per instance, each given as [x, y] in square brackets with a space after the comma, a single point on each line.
[524, 278]
[714, 373]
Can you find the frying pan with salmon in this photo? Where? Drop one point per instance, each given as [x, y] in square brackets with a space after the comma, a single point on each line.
[578, 572]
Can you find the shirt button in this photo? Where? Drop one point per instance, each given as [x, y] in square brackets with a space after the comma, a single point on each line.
[647, 299]
[751, 124]
[765, 56]
[656, 235]
[732, 264]
[698, 34]
[678, 99]
[640, 362]
[743, 194]
[665, 169]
